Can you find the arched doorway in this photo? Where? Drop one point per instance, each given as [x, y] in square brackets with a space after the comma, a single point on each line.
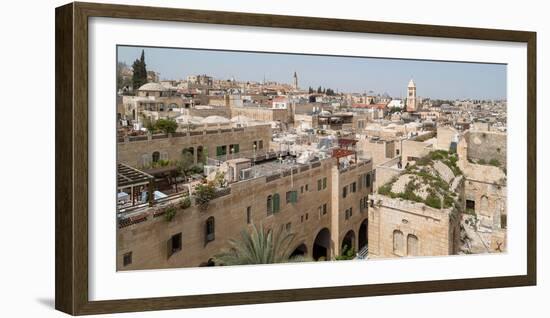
[321, 245]
[156, 156]
[348, 242]
[201, 155]
[364, 234]
[300, 250]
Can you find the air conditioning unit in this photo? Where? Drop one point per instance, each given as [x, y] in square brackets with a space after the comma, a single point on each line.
[246, 174]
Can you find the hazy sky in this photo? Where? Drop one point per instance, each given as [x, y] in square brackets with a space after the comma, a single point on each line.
[346, 74]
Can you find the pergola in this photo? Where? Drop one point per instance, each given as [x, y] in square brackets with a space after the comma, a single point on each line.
[341, 153]
[346, 142]
[128, 177]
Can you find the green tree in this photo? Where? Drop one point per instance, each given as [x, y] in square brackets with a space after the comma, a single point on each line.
[310, 90]
[139, 77]
[259, 246]
[166, 125]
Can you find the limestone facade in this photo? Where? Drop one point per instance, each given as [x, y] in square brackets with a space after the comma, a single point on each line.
[320, 207]
[399, 228]
[138, 151]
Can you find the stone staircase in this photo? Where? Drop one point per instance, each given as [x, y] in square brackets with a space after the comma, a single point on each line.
[363, 252]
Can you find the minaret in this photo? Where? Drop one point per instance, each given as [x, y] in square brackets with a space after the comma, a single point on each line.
[295, 81]
[411, 96]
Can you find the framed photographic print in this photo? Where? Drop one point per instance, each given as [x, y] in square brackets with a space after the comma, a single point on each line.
[211, 158]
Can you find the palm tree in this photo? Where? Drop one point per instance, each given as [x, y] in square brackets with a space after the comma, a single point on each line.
[259, 246]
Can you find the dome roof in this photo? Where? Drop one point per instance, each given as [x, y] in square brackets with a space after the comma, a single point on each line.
[186, 119]
[215, 120]
[411, 83]
[154, 87]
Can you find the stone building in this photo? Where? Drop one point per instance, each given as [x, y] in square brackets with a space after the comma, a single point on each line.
[415, 213]
[323, 204]
[399, 228]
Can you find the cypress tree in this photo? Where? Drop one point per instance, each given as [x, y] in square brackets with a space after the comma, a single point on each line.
[140, 71]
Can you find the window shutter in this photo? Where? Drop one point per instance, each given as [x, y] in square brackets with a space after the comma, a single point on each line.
[294, 196]
[276, 203]
[170, 248]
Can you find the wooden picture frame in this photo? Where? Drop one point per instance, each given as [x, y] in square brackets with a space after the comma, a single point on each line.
[71, 111]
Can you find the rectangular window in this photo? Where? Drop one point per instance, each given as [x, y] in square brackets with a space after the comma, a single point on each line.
[319, 184]
[234, 148]
[307, 187]
[346, 214]
[292, 197]
[221, 150]
[470, 205]
[353, 187]
[302, 189]
[345, 191]
[287, 226]
[324, 209]
[324, 183]
[174, 244]
[248, 214]
[307, 216]
[127, 259]
[261, 144]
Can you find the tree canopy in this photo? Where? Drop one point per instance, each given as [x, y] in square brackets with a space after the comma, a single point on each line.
[139, 77]
[259, 246]
[166, 125]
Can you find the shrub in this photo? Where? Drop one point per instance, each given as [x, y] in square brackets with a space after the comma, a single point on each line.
[170, 213]
[432, 200]
[185, 202]
[481, 162]
[204, 193]
[347, 254]
[494, 162]
[385, 189]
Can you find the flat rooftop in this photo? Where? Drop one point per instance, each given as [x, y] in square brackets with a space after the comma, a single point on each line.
[270, 167]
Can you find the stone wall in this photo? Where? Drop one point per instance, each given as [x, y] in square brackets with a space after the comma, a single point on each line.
[264, 114]
[486, 145]
[414, 149]
[445, 135]
[214, 111]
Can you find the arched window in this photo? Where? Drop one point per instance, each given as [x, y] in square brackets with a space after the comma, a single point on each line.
[412, 245]
[276, 203]
[484, 205]
[156, 156]
[398, 242]
[210, 229]
[269, 205]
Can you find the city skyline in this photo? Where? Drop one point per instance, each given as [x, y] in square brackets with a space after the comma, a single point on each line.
[434, 79]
